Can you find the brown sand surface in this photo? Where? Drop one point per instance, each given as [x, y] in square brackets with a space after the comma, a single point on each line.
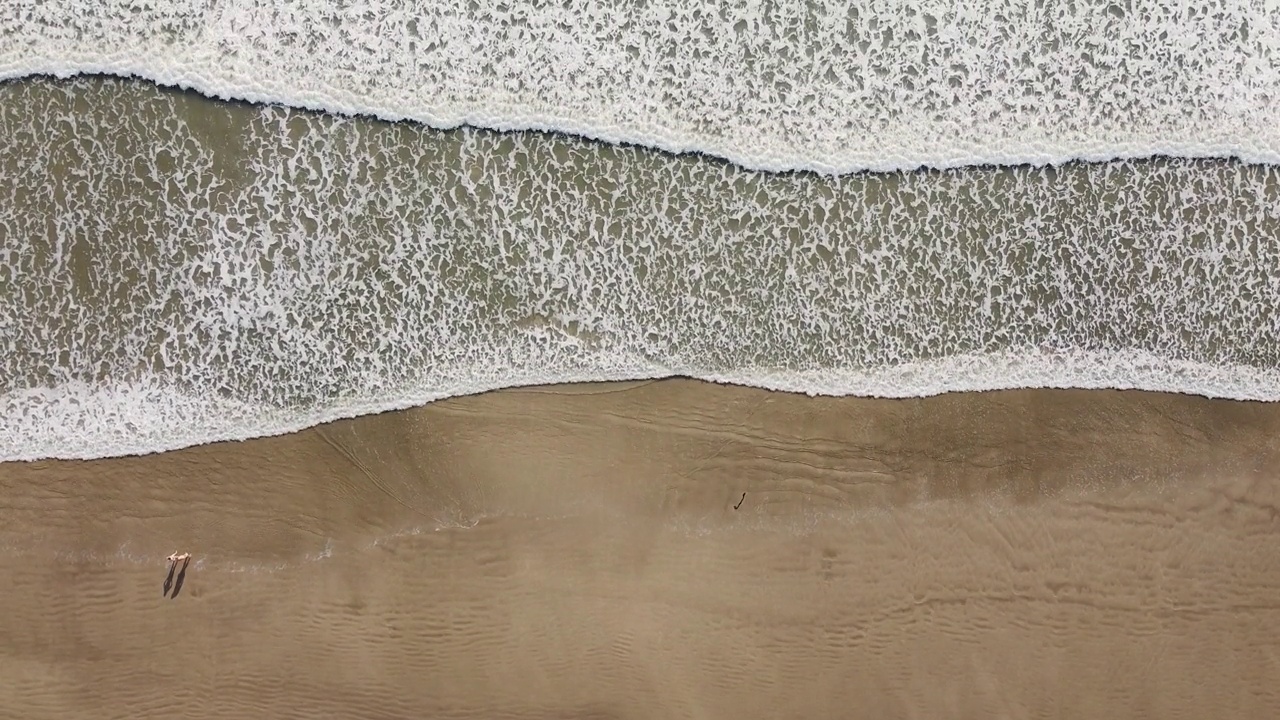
[574, 552]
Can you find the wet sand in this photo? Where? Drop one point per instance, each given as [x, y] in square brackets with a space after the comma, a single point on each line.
[575, 552]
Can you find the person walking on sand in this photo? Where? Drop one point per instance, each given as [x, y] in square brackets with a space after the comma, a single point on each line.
[182, 574]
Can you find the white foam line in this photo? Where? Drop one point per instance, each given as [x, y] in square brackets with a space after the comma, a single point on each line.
[92, 426]
[802, 84]
[1259, 150]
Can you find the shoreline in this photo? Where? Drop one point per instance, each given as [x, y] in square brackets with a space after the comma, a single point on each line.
[151, 414]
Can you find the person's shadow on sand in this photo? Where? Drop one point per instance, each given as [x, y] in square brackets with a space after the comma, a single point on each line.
[170, 581]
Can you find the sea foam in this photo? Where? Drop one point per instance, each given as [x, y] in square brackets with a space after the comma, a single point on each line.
[824, 85]
[177, 271]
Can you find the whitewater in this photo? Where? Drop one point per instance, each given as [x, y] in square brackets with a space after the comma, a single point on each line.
[176, 271]
[797, 84]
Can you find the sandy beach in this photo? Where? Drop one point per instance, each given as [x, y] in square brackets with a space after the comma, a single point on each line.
[670, 549]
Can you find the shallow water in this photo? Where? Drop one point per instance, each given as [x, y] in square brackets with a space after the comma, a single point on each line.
[180, 269]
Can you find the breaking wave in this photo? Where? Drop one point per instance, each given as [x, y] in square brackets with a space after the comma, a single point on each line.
[786, 84]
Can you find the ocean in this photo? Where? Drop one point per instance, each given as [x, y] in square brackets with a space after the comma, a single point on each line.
[224, 220]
